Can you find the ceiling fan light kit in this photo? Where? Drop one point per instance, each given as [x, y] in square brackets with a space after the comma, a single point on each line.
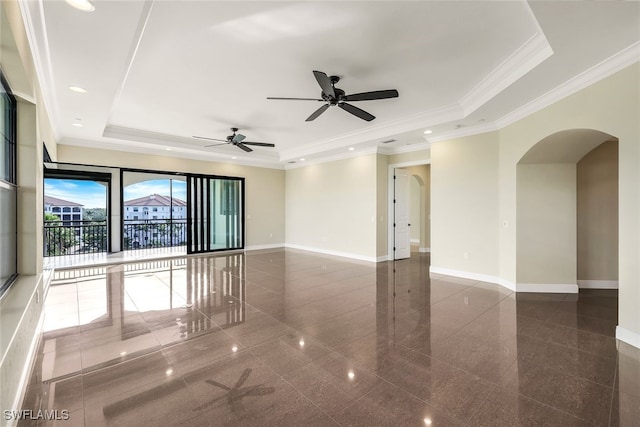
[237, 140]
[332, 96]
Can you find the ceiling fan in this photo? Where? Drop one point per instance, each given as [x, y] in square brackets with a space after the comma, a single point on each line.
[236, 139]
[331, 96]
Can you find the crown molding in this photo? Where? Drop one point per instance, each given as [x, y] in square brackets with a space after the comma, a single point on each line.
[419, 146]
[415, 121]
[145, 148]
[528, 56]
[465, 131]
[602, 70]
[332, 158]
[36, 31]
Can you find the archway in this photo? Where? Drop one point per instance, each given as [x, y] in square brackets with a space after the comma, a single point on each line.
[564, 215]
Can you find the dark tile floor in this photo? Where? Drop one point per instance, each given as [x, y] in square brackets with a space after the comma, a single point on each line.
[288, 338]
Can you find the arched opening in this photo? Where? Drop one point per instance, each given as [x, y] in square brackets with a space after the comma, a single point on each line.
[567, 213]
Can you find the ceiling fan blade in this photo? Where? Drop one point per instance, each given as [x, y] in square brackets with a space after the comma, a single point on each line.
[209, 139]
[356, 111]
[325, 83]
[294, 99]
[238, 138]
[216, 145]
[243, 147]
[317, 113]
[258, 144]
[370, 96]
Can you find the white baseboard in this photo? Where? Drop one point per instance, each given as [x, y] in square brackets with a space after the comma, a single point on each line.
[383, 258]
[548, 288]
[267, 246]
[334, 253]
[465, 275]
[514, 287]
[631, 338]
[598, 284]
[424, 250]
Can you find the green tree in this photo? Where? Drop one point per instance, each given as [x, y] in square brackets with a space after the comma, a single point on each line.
[57, 238]
[94, 214]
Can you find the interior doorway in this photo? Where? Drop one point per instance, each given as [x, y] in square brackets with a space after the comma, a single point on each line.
[415, 198]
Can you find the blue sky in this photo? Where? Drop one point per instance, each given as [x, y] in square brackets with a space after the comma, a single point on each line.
[88, 193]
[94, 195]
[156, 186]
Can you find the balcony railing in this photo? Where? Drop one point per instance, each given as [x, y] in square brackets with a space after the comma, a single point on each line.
[154, 233]
[74, 237]
[83, 237]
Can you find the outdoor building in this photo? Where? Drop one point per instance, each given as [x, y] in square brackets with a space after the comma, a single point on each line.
[154, 221]
[63, 209]
[154, 206]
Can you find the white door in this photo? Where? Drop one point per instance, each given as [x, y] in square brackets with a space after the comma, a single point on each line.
[402, 214]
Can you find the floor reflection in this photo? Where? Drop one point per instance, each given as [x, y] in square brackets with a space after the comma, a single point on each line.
[285, 337]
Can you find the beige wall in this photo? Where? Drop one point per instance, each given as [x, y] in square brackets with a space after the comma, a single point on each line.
[334, 207]
[382, 201]
[464, 205]
[423, 210]
[546, 227]
[597, 177]
[265, 218]
[411, 157]
[611, 106]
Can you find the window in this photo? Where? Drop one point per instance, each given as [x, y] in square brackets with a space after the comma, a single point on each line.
[76, 209]
[8, 189]
[135, 210]
[66, 209]
[155, 209]
[56, 209]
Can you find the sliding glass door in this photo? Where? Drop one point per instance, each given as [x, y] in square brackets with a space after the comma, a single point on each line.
[215, 213]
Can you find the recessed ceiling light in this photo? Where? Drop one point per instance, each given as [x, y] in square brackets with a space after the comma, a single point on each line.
[302, 159]
[351, 148]
[428, 132]
[77, 89]
[168, 149]
[233, 158]
[83, 5]
[78, 125]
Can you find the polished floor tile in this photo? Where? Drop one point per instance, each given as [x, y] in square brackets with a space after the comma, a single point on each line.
[291, 338]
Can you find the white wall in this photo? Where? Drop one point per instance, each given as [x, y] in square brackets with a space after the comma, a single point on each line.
[333, 207]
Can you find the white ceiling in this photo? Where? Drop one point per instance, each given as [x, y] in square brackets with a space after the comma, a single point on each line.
[159, 72]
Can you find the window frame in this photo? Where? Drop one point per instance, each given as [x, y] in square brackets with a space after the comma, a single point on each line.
[8, 178]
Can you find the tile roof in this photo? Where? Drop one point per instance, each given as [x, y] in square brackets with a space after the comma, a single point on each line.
[154, 200]
[54, 201]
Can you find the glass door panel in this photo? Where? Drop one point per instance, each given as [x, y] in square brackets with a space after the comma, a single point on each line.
[215, 214]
